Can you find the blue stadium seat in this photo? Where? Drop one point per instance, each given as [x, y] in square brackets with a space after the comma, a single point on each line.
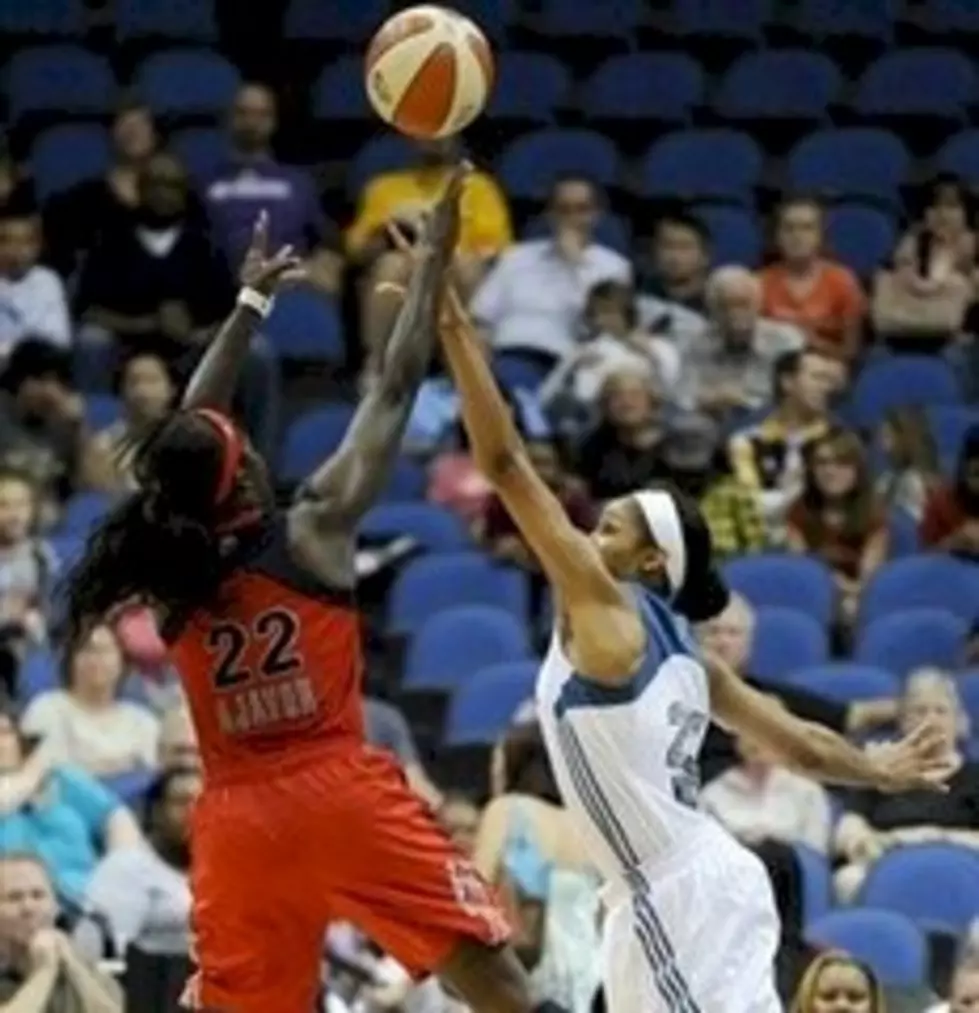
[734, 234]
[435, 528]
[519, 372]
[529, 86]
[728, 19]
[38, 674]
[406, 482]
[869, 19]
[101, 410]
[951, 17]
[937, 885]
[67, 154]
[903, 531]
[716, 163]
[83, 511]
[42, 17]
[898, 381]
[949, 424]
[887, 942]
[430, 584]
[68, 549]
[388, 152]
[318, 21]
[784, 641]
[453, 644]
[664, 87]
[201, 149]
[931, 581]
[967, 683]
[959, 155]
[616, 19]
[844, 681]
[924, 81]
[310, 438]
[184, 20]
[306, 325]
[911, 638]
[611, 230]
[483, 706]
[65, 79]
[529, 165]
[817, 887]
[861, 236]
[186, 81]
[850, 162]
[783, 580]
[783, 83]
[494, 17]
[338, 93]
[132, 787]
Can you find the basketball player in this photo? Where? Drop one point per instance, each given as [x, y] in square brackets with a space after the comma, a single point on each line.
[299, 822]
[624, 698]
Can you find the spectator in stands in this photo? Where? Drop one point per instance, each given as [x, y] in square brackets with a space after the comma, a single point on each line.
[912, 468]
[730, 636]
[963, 996]
[758, 800]
[253, 180]
[949, 216]
[533, 299]
[74, 220]
[768, 456]
[839, 518]
[803, 287]
[386, 728]
[59, 813]
[86, 723]
[144, 893]
[836, 983]
[147, 388]
[42, 425]
[727, 368]
[625, 450]
[460, 816]
[33, 302]
[158, 285]
[178, 749]
[951, 518]
[42, 972]
[680, 261]
[16, 190]
[873, 823]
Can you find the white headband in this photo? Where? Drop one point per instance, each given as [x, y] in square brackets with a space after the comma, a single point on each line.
[663, 520]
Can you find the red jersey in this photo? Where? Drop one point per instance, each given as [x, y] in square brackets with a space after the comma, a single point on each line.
[273, 669]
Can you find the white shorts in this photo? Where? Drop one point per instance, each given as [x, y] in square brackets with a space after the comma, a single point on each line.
[697, 934]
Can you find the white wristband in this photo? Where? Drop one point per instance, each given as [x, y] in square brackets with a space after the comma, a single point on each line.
[254, 300]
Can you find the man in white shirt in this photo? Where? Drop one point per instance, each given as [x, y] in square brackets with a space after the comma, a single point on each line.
[533, 298]
[32, 297]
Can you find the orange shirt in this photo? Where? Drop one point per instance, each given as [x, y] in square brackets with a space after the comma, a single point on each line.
[825, 310]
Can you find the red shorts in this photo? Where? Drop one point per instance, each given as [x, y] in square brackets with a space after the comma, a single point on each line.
[345, 840]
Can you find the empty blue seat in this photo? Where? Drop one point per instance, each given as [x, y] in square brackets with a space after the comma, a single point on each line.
[83, 511]
[930, 581]
[817, 894]
[861, 236]
[937, 885]
[850, 162]
[42, 17]
[911, 638]
[732, 19]
[185, 20]
[65, 79]
[903, 531]
[519, 372]
[201, 149]
[186, 81]
[573, 19]
[951, 16]
[887, 942]
[132, 787]
[869, 19]
[483, 706]
[311, 438]
[494, 17]
[898, 381]
[611, 230]
[959, 155]
[967, 683]
[786, 640]
[306, 325]
[528, 166]
[717, 163]
[406, 482]
[39, 673]
[101, 410]
[435, 528]
[928, 80]
[67, 154]
[949, 424]
[784, 83]
[450, 646]
[784, 581]
[388, 152]
[529, 86]
[68, 549]
[735, 236]
[339, 93]
[654, 86]
[430, 584]
[351, 23]
[845, 682]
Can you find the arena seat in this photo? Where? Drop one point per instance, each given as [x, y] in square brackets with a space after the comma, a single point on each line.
[783, 83]
[918, 81]
[530, 87]
[784, 580]
[201, 149]
[898, 381]
[887, 942]
[312, 437]
[735, 236]
[659, 87]
[928, 580]
[785, 640]
[528, 166]
[870, 19]
[182, 20]
[483, 706]
[65, 79]
[959, 155]
[435, 528]
[306, 325]
[187, 81]
[83, 511]
[845, 682]
[862, 237]
[68, 154]
[912, 638]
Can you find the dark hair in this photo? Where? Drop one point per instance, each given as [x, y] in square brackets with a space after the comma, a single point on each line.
[860, 505]
[969, 452]
[160, 545]
[158, 790]
[685, 220]
[119, 376]
[33, 358]
[913, 443]
[614, 291]
[526, 766]
[786, 365]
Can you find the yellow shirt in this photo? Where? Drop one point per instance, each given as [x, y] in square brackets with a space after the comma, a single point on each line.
[485, 228]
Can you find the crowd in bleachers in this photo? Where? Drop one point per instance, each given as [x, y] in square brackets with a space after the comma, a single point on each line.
[727, 244]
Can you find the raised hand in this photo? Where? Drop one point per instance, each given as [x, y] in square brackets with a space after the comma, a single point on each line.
[264, 273]
[918, 762]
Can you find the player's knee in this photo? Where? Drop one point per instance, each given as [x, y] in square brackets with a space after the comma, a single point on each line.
[489, 980]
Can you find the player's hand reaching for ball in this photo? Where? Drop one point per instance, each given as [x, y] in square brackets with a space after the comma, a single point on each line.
[265, 273]
[919, 762]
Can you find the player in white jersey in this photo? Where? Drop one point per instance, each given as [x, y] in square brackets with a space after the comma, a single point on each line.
[624, 700]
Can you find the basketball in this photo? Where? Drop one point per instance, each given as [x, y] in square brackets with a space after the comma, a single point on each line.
[429, 71]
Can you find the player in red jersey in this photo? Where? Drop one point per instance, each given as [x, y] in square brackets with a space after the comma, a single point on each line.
[300, 822]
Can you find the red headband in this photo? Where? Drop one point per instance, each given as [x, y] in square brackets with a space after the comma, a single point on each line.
[232, 447]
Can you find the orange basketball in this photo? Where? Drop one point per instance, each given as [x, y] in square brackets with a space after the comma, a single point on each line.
[429, 71]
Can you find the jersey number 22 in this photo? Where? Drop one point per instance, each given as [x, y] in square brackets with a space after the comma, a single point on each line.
[276, 631]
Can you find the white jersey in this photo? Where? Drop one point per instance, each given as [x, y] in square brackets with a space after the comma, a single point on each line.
[691, 925]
